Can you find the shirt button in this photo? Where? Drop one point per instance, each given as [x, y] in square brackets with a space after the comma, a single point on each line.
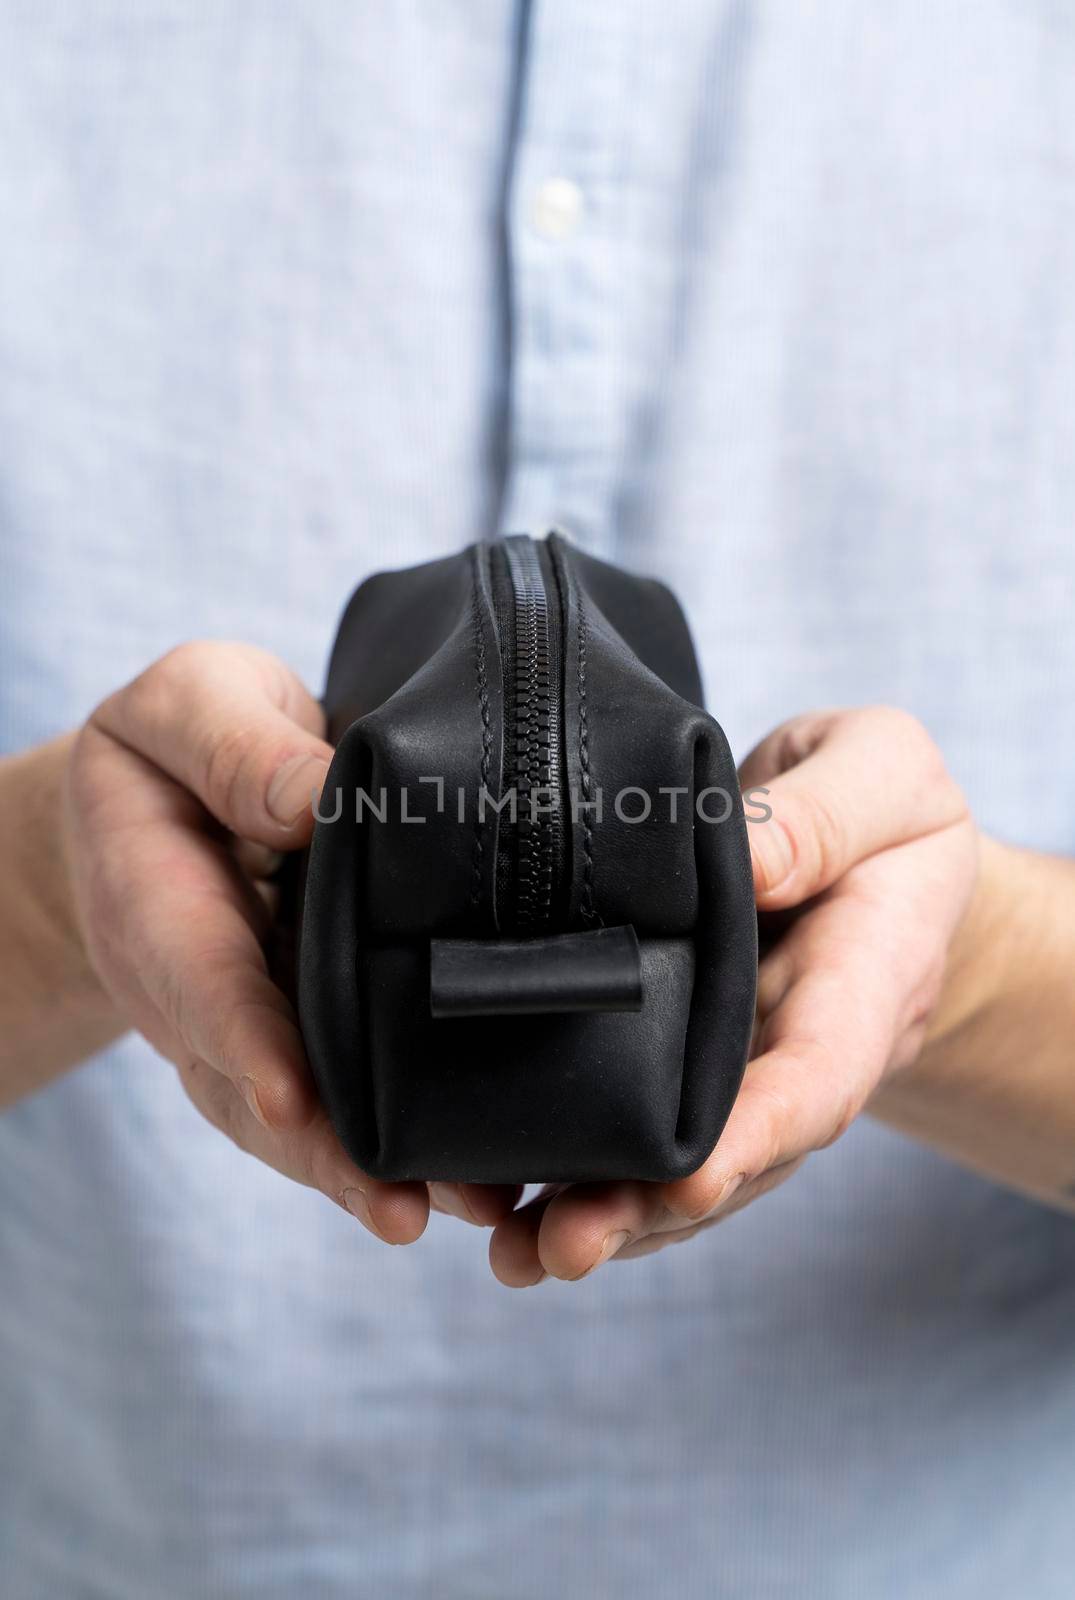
[557, 208]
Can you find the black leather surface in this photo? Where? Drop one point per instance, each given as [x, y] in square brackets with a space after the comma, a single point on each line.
[416, 689]
[599, 969]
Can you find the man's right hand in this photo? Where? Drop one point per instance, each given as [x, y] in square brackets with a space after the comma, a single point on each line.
[179, 793]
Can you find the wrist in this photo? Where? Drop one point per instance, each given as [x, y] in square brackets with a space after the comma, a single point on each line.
[978, 956]
[1013, 944]
[991, 1085]
[54, 930]
[54, 1008]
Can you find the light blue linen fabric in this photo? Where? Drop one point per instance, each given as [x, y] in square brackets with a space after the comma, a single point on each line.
[285, 297]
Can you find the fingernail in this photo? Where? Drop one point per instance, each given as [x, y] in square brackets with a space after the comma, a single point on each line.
[295, 787]
[724, 1194]
[773, 855]
[250, 1095]
[613, 1242]
[447, 1198]
[359, 1207]
[730, 1188]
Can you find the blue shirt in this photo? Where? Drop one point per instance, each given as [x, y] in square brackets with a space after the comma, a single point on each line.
[773, 299]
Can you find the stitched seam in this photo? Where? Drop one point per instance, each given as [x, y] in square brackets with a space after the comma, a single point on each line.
[487, 734]
[587, 908]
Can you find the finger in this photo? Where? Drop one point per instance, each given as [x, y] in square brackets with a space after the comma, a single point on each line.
[826, 1047]
[256, 860]
[650, 1243]
[234, 726]
[786, 746]
[513, 1251]
[844, 999]
[173, 929]
[396, 1213]
[842, 786]
[481, 1204]
[671, 1232]
[793, 1100]
[587, 1224]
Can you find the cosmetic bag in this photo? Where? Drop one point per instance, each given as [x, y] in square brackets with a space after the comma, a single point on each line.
[528, 944]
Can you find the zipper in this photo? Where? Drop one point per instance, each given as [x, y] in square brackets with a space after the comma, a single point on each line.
[530, 888]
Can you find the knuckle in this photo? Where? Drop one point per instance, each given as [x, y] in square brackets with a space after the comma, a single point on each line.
[847, 1109]
[775, 1114]
[902, 728]
[163, 693]
[798, 738]
[923, 756]
[228, 759]
[696, 1198]
[272, 676]
[821, 843]
[214, 1098]
[893, 721]
[185, 661]
[152, 699]
[168, 678]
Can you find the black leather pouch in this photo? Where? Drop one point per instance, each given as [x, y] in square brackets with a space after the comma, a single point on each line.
[528, 944]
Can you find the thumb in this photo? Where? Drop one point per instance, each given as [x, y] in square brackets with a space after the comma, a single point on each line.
[839, 787]
[232, 724]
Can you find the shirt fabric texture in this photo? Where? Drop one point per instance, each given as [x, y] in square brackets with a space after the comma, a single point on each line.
[773, 300]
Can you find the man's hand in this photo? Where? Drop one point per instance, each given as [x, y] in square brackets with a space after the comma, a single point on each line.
[181, 790]
[870, 859]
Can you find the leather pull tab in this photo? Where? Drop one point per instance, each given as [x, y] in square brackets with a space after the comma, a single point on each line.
[598, 970]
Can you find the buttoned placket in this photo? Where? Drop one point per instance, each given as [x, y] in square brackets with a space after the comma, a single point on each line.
[563, 214]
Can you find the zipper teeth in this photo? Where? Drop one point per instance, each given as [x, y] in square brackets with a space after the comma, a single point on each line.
[536, 739]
